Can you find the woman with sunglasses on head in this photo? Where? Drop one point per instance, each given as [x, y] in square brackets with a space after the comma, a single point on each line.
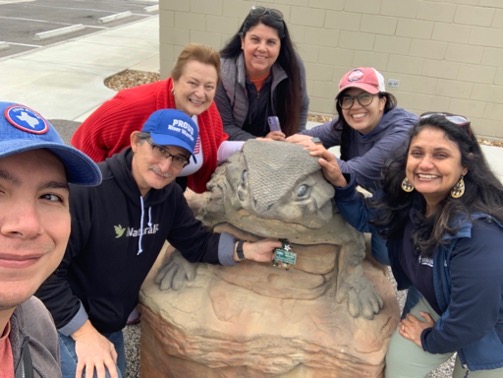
[440, 208]
[262, 76]
[191, 89]
[368, 129]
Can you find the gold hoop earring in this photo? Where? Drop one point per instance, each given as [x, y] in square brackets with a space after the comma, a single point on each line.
[407, 186]
[458, 190]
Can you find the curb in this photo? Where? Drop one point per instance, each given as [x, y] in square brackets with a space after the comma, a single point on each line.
[58, 32]
[114, 17]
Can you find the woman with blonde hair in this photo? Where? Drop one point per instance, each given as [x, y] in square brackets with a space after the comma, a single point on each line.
[191, 89]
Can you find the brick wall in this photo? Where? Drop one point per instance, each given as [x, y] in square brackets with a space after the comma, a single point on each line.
[446, 54]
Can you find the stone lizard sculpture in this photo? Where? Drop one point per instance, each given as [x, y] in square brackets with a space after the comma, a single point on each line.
[276, 189]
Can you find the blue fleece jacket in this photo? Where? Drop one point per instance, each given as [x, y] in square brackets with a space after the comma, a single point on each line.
[467, 281]
[367, 153]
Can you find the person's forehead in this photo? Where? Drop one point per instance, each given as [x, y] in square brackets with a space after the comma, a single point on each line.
[434, 136]
[201, 70]
[36, 161]
[263, 31]
[33, 152]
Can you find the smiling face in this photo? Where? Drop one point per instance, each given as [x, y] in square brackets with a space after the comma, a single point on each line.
[195, 90]
[151, 170]
[261, 45]
[363, 118]
[434, 165]
[34, 223]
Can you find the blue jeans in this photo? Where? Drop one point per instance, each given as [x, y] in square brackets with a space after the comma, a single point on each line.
[69, 357]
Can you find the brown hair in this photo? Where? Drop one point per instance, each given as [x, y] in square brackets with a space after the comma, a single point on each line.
[200, 53]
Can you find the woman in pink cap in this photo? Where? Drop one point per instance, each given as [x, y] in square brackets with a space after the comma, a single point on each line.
[369, 128]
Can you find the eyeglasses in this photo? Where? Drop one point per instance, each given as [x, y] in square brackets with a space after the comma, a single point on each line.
[347, 101]
[453, 118]
[161, 153]
[259, 11]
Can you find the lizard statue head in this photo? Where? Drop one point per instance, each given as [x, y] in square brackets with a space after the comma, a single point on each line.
[270, 188]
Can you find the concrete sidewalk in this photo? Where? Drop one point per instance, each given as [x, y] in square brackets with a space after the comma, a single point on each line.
[65, 81]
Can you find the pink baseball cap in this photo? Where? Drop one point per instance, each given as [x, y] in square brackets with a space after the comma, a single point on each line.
[366, 78]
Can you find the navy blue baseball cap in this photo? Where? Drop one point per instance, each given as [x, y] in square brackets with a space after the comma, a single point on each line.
[23, 129]
[172, 127]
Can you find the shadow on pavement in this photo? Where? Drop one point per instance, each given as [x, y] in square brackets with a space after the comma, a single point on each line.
[65, 128]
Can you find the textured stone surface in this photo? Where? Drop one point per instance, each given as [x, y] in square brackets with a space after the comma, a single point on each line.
[276, 189]
[131, 78]
[322, 317]
[214, 328]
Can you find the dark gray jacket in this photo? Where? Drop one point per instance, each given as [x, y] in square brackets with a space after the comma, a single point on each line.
[232, 99]
[33, 333]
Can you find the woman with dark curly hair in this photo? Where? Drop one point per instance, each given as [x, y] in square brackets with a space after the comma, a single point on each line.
[441, 211]
[262, 76]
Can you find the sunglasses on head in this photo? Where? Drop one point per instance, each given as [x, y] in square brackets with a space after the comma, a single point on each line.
[453, 118]
[259, 11]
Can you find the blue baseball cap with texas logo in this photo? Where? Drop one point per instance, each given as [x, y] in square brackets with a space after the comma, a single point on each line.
[23, 129]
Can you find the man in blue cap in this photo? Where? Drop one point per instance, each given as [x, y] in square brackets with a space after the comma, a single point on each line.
[35, 169]
[118, 230]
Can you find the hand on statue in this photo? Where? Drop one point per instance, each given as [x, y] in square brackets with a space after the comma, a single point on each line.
[95, 353]
[276, 135]
[262, 250]
[176, 272]
[304, 140]
[329, 166]
[411, 327]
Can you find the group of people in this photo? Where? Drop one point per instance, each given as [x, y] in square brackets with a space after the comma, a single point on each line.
[435, 210]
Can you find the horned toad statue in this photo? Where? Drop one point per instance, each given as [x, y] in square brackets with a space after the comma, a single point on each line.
[322, 315]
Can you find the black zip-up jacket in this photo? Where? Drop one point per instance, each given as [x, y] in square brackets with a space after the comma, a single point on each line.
[116, 237]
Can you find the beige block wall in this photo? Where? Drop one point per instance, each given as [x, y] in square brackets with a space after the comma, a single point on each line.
[446, 54]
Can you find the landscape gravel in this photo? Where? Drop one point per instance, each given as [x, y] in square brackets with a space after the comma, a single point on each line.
[132, 333]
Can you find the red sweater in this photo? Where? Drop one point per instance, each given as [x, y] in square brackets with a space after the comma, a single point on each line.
[108, 129]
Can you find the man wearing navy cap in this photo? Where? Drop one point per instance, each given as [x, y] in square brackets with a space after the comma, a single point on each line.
[35, 170]
[118, 230]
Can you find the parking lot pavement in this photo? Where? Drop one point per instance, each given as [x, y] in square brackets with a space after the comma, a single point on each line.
[65, 80]
[31, 24]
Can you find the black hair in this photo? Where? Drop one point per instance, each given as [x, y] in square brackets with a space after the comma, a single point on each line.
[287, 96]
[483, 190]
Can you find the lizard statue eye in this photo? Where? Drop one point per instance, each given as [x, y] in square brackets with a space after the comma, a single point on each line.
[303, 191]
[244, 177]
